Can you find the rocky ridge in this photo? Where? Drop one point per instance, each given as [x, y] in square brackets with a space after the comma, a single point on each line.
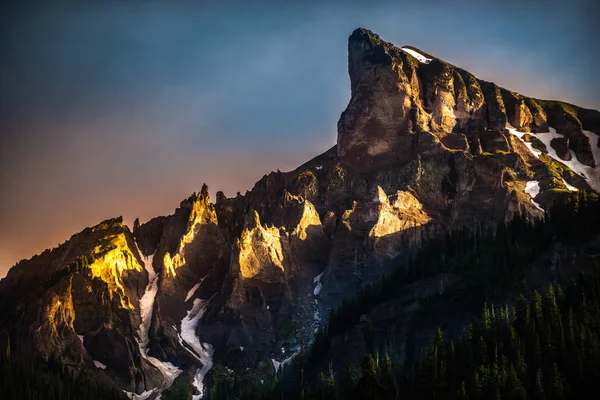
[241, 284]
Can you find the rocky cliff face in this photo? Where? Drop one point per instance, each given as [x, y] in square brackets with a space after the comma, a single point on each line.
[240, 285]
[79, 303]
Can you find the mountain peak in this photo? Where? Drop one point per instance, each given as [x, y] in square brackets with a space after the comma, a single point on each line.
[371, 48]
[363, 34]
[405, 100]
[423, 147]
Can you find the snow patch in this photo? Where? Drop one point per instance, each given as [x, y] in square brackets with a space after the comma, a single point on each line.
[276, 364]
[532, 188]
[417, 55]
[317, 316]
[513, 131]
[319, 285]
[168, 370]
[280, 364]
[98, 364]
[147, 301]
[319, 167]
[191, 292]
[318, 277]
[142, 396]
[203, 352]
[571, 188]
[197, 383]
[591, 175]
[318, 288]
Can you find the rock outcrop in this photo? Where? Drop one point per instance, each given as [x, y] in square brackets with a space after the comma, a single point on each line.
[561, 145]
[80, 303]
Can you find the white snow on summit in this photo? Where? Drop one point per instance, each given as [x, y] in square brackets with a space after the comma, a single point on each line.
[416, 55]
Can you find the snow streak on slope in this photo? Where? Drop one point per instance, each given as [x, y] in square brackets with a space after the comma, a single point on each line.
[319, 285]
[147, 301]
[168, 370]
[143, 396]
[416, 55]
[592, 175]
[277, 364]
[203, 352]
[532, 188]
[193, 289]
[570, 187]
[518, 134]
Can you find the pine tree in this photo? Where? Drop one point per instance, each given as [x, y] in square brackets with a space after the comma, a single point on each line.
[462, 393]
[515, 389]
[387, 379]
[321, 388]
[350, 379]
[539, 392]
[368, 386]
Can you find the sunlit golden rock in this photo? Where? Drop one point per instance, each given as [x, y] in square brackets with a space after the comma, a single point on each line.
[260, 248]
[111, 259]
[202, 213]
[56, 316]
[295, 240]
[405, 213]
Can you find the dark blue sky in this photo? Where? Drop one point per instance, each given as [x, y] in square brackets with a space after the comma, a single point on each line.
[124, 108]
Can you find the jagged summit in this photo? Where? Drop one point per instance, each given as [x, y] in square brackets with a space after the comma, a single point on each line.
[381, 51]
[404, 98]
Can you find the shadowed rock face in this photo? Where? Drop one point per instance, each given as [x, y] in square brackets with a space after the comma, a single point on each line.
[422, 147]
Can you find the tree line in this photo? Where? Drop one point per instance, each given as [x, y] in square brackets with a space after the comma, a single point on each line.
[489, 260]
[34, 379]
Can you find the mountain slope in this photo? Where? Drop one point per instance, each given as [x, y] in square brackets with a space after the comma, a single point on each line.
[242, 284]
